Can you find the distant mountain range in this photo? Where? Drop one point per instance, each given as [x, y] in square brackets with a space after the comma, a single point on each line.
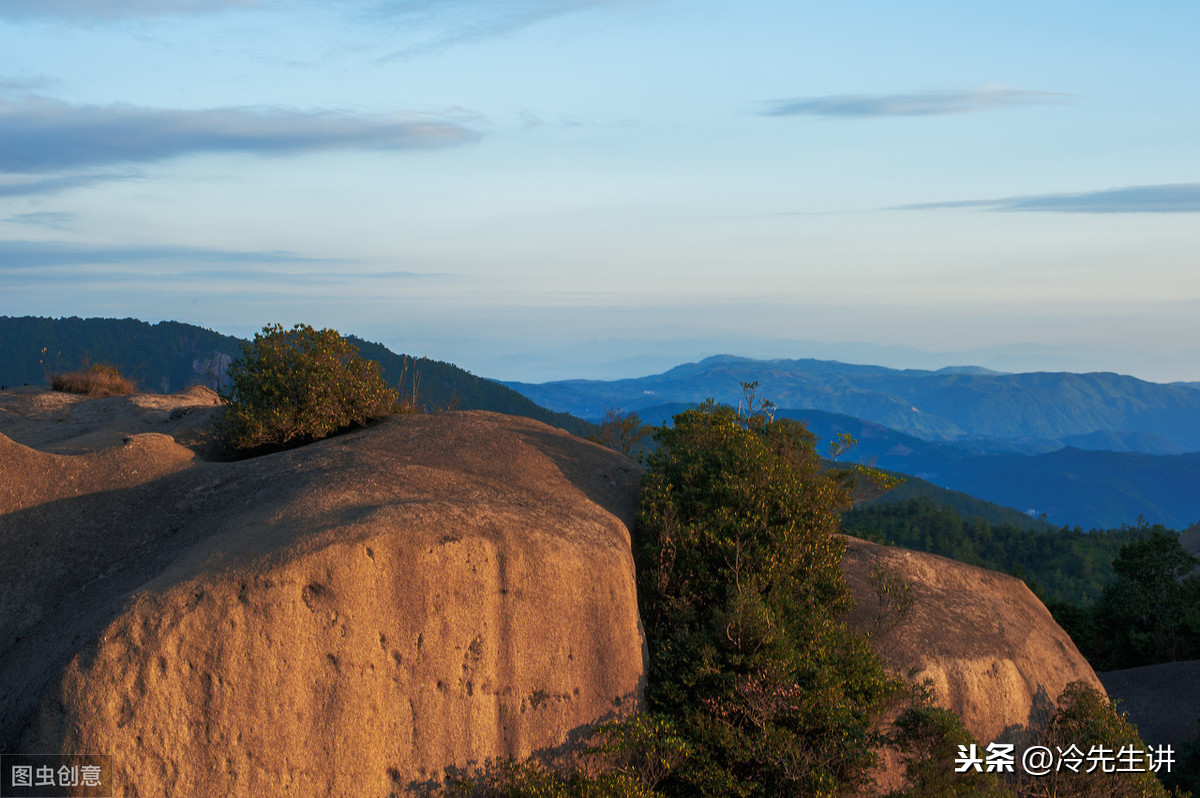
[1090, 450]
[982, 409]
[972, 430]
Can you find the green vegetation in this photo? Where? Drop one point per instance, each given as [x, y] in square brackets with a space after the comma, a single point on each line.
[1086, 719]
[1065, 566]
[1148, 614]
[756, 686]
[623, 759]
[929, 739]
[168, 356]
[443, 386]
[97, 379]
[297, 386]
[622, 432]
[963, 504]
[742, 598]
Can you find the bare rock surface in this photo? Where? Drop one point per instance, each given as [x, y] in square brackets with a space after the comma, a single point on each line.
[1163, 701]
[1190, 539]
[989, 646]
[348, 618]
[66, 423]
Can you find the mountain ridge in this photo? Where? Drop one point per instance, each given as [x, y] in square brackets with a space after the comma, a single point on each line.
[954, 404]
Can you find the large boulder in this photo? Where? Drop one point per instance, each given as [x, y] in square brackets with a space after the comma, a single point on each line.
[987, 645]
[349, 618]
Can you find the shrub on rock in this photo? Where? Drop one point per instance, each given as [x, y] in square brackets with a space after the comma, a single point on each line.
[98, 379]
[300, 385]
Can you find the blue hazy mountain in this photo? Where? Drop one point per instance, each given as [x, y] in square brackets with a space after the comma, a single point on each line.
[1034, 412]
[1090, 450]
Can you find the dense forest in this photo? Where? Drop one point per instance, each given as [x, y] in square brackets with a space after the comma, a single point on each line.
[1060, 565]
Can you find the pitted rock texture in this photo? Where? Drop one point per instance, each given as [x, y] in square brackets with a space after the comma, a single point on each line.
[348, 618]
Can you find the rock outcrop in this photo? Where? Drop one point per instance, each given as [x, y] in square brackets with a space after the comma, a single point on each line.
[988, 645]
[356, 616]
[350, 618]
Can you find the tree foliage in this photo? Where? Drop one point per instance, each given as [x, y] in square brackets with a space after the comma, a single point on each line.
[1088, 721]
[929, 739]
[742, 598]
[620, 431]
[299, 385]
[1148, 614]
[1064, 565]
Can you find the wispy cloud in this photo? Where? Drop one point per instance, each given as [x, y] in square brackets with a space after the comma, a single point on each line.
[97, 10]
[11, 85]
[41, 259]
[444, 23]
[38, 254]
[55, 220]
[14, 186]
[915, 104]
[1168, 198]
[39, 135]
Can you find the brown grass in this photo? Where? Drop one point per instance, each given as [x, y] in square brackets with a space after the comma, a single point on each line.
[96, 380]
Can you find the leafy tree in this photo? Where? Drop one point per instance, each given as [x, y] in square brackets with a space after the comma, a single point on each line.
[622, 432]
[296, 386]
[743, 600]
[1151, 612]
[1087, 720]
[929, 739]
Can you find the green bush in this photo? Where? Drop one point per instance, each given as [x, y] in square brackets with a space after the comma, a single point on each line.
[296, 386]
[743, 601]
[929, 738]
[1086, 719]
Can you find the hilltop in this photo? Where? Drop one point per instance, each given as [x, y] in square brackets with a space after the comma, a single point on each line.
[170, 356]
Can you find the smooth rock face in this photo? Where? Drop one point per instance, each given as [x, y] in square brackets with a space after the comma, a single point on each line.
[990, 648]
[349, 618]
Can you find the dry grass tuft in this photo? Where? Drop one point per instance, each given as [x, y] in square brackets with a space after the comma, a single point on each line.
[97, 380]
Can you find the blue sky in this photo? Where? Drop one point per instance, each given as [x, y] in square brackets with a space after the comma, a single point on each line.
[539, 189]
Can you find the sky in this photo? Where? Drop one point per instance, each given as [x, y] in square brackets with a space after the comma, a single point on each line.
[547, 189]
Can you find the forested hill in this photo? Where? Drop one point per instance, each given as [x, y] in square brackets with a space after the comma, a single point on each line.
[163, 357]
[1039, 411]
[169, 356]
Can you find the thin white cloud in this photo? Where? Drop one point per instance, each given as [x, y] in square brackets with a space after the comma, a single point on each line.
[24, 186]
[444, 23]
[104, 10]
[55, 220]
[44, 136]
[1167, 198]
[915, 104]
[39, 254]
